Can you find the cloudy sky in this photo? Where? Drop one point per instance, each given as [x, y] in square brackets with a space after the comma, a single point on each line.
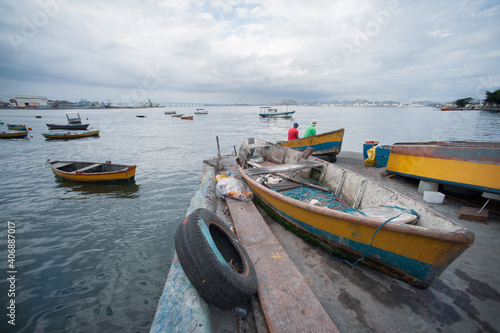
[249, 51]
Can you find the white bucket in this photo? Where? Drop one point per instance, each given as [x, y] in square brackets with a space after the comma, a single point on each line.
[433, 197]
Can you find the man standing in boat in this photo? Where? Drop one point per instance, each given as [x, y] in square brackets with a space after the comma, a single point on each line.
[293, 133]
[311, 129]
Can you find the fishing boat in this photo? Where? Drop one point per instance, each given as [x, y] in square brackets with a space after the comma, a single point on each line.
[70, 134]
[201, 111]
[13, 134]
[92, 172]
[140, 116]
[471, 165]
[365, 221]
[16, 127]
[326, 145]
[74, 123]
[269, 112]
[187, 117]
[38, 116]
[178, 115]
[168, 113]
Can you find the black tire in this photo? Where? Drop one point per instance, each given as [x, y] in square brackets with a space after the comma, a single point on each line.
[205, 246]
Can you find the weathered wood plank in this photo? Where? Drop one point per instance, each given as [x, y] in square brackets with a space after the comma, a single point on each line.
[288, 303]
[284, 167]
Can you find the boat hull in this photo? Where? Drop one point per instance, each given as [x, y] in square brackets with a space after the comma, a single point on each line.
[70, 135]
[277, 115]
[80, 171]
[415, 254]
[16, 127]
[471, 165]
[13, 134]
[68, 126]
[325, 143]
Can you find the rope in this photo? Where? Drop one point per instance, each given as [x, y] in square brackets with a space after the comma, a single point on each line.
[411, 211]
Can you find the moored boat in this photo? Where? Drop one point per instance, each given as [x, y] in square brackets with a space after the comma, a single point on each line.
[92, 172]
[74, 123]
[70, 134]
[364, 220]
[178, 115]
[268, 112]
[328, 143]
[17, 127]
[167, 113]
[467, 164]
[201, 111]
[13, 134]
[187, 117]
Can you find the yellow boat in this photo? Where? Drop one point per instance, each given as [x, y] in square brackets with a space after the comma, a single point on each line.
[328, 143]
[471, 165]
[92, 172]
[366, 221]
[177, 115]
[13, 134]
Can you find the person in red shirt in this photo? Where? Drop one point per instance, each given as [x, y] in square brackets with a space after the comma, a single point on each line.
[293, 133]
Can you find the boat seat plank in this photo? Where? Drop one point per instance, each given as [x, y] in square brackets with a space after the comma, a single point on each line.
[288, 302]
[88, 167]
[283, 167]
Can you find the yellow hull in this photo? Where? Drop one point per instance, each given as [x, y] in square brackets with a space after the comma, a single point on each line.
[470, 165]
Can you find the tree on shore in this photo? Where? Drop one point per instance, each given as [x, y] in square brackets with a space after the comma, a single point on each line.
[492, 98]
[461, 103]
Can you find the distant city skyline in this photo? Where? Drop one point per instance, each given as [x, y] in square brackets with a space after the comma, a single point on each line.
[251, 52]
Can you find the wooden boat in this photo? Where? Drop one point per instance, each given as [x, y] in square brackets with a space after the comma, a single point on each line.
[328, 143]
[140, 116]
[38, 116]
[178, 115]
[187, 117]
[92, 172]
[70, 135]
[363, 219]
[16, 127]
[74, 123]
[13, 134]
[169, 113]
[201, 111]
[471, 165]
[268, 112]
[446, 108]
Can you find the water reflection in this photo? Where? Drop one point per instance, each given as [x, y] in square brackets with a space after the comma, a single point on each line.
[128, 190]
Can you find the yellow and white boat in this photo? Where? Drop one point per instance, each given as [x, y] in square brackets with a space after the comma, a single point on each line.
[366, 221]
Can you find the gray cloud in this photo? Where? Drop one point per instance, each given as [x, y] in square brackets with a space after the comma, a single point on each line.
[254, 51]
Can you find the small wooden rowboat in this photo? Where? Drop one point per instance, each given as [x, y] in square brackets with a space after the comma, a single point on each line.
[168, 113]
[366, 221]
[92, 172]
[16, 127]
[70, 135]
[178, 115]
[328, 143]
[187, 117]
[13, 134]
[466, 164]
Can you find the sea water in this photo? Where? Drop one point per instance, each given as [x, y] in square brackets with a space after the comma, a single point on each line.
[94, 257]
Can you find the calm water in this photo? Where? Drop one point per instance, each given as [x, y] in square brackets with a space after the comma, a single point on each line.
[95, 257]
